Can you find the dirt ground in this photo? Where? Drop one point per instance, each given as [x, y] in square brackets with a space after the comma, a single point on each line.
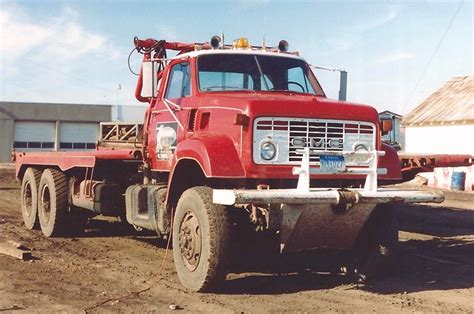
[436, 270]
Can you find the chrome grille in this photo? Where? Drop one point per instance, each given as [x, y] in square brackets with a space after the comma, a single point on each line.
[322, 135]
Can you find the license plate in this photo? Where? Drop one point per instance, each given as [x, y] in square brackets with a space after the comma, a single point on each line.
[331, 163]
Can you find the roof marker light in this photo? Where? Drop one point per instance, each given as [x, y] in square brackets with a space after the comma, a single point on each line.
[216, 42]
[242, 43]
[283, 46]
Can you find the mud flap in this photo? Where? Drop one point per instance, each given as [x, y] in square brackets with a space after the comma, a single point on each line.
[307, 227]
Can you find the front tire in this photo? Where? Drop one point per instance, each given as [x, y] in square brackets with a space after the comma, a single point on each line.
[200, 240]
[53, 202]
[29, 197]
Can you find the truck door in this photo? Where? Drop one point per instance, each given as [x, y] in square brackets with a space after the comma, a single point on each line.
[169, 116]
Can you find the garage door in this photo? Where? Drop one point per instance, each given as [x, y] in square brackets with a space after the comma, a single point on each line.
[34, 135]
[74, 135]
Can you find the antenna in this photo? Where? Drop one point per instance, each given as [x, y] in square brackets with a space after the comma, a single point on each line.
[263, 42]
[264, 18]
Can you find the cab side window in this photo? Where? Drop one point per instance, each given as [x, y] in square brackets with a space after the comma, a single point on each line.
[179, 84]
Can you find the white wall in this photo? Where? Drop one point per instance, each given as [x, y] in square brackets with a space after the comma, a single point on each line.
[129, 113]
[34, 131]
[34, 135]
[79, 132]
[446, 139]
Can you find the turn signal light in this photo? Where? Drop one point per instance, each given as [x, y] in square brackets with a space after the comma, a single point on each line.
[242, 119]
[387, 126]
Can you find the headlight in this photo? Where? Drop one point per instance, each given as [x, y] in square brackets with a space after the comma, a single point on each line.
[268, 151]
[166, 136]
[361, 148]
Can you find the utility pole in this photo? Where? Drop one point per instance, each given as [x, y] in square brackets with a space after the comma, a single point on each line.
[119, 108]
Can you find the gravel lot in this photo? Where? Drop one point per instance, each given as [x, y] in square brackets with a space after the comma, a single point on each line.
[436, 270]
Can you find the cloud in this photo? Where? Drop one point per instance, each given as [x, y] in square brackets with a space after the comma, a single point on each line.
[169, 33]
[55, 58]
[377, 83]
[62, 37]
[17, 36]
[340, 44]
[379, 21]
[394, 57]
[72, 41]
[351, 37]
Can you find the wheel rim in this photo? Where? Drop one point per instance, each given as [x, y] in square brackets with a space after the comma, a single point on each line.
[28, 199]
[46, 202]
[190, 241]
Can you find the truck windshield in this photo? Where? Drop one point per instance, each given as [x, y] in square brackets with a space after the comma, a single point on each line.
[231, 72]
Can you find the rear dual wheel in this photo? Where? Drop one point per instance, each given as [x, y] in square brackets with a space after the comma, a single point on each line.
[53, 205]
[44, 203]
[29, 197]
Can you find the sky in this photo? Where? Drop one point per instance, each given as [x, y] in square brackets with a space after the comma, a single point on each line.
[396, 53]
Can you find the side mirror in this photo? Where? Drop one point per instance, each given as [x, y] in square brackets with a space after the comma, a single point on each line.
[149, 78]
[386, 126]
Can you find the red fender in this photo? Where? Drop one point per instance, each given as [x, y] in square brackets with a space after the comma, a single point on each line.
[216, 155]
[391, 162]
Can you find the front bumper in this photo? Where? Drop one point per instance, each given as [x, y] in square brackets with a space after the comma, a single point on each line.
[320, 218]
[308, 218]
[303, 194]
[324, 196]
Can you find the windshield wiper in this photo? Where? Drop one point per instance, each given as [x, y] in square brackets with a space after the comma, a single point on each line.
[224, 87]
[290, 91]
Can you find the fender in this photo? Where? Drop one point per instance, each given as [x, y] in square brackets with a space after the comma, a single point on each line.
[391, 162]
[216, 155]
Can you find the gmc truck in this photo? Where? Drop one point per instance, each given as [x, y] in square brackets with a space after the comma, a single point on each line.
[235, 138]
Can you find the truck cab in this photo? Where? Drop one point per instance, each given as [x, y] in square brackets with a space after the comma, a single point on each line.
[245, 115]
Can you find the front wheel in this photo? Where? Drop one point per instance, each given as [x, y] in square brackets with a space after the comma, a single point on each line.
[200, 240]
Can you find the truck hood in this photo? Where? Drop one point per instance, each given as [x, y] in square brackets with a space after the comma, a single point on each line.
[272, 104]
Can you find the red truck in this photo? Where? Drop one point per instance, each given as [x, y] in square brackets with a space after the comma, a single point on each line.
[236, 138]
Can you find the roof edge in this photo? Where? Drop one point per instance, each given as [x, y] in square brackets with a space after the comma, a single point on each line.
[438, 123]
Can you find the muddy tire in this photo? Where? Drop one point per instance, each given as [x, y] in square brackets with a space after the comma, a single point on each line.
[53, 202]
[377, 247]
[29, 197]
[200, 240]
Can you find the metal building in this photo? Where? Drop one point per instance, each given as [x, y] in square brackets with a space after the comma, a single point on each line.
[396, 137]
[46, 126]
[444, 122]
